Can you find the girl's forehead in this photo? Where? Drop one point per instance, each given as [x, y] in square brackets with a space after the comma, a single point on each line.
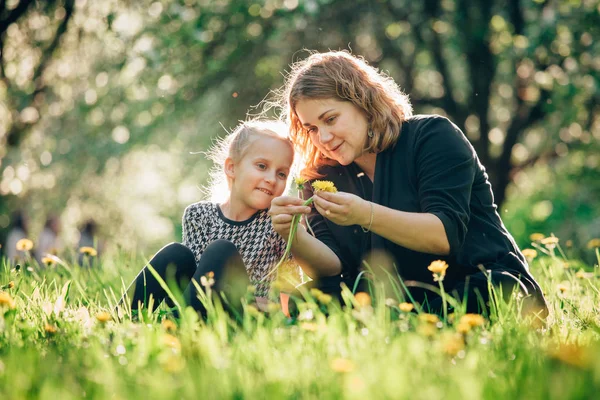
[271, 148]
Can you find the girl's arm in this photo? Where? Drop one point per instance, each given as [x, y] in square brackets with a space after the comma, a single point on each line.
[315, 258]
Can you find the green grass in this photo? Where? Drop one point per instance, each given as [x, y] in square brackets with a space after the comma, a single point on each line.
[361, 352]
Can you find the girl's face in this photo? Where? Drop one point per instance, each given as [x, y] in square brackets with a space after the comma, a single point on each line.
[337, 128]
[262, 172]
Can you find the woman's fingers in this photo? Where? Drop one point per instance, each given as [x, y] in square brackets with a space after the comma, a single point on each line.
[323, 206]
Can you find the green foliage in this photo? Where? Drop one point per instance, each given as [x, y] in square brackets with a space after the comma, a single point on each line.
[61, 338]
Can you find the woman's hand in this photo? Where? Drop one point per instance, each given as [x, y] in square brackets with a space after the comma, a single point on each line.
[282, 211]
[343, 208]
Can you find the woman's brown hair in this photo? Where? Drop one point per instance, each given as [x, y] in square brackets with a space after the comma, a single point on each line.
[340, 75]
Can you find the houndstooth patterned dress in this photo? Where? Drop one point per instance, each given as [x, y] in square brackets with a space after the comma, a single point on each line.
[259, 245]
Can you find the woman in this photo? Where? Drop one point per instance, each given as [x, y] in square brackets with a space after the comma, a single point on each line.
[409, 186]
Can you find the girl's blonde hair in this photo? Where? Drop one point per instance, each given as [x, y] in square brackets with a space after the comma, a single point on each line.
[234, 146]
[343, 76]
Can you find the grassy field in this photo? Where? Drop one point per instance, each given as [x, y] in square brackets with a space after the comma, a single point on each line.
[60, 339]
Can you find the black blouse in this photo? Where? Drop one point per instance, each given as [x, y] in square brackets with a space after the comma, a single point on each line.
[432, 169]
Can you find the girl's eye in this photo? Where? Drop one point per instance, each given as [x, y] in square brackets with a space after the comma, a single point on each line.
[283, 175]
[261, 166]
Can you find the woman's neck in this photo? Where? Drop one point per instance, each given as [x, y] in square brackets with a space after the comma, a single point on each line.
[367, 163]
[236, 210]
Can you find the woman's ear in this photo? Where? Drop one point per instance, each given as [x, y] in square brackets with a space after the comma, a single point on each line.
[229, 168]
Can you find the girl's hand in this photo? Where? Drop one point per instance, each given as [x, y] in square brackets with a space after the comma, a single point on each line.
[282, 211]
[343, 208]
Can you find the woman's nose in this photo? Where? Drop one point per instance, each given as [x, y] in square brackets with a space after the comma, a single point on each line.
[325, 136]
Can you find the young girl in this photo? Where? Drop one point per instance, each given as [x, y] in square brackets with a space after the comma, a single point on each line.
[228, 244]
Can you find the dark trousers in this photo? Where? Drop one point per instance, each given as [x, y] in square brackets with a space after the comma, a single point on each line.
[475, 294]
[221, 262]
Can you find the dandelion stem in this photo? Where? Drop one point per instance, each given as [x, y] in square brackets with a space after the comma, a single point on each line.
[291, 237]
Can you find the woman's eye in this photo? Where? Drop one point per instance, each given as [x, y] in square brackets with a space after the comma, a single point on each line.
[331, 119]
[311, 130]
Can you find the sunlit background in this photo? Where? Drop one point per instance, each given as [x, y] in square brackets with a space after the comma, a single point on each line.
[105, 105]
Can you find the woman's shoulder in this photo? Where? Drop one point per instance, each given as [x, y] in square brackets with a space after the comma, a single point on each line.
[419, 121]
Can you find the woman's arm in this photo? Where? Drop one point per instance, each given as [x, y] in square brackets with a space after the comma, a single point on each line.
[422, 232]
[315, 258]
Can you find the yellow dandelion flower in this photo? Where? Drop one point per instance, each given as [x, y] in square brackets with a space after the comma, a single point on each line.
[463, 328]
[342, 365]
[48, 260]
[11, 285]
[406, 307]
[550, 240]
[429, 318]
[171, 341]
[51, 329]
[300, 182]
[529, 253]
[453, 344]
[24, 245]
[324, 186]
[594, 243]
[562, 288]
[88, 251]
[438, 267]
[472, 320]
[572, 354]
[536, 237]
[581, 274]
[103, 317]
[362, 299]
[6, 300]
[169, 325]
[427, 330]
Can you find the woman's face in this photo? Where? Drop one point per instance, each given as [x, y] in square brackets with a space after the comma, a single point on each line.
[337, 128]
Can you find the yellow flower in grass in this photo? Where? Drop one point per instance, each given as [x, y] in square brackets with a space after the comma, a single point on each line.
[24, 245]
[429, 318]
[171, 341]
[48, 260]
[572, 354]
[10, 285]
[406, 307]
[550, 242]
[324, 186]
[463, 328]
[536, 237]
[300, 182]
[594, 243]
[452, 344]
[362, 299]
[342, 365]
[88, 251]
[472, 320]
[530, 254]
[6, 300]
[581, 274]
[562, 287]
[438, 267]
[168, 325]
[51, 329]
[103, 317]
